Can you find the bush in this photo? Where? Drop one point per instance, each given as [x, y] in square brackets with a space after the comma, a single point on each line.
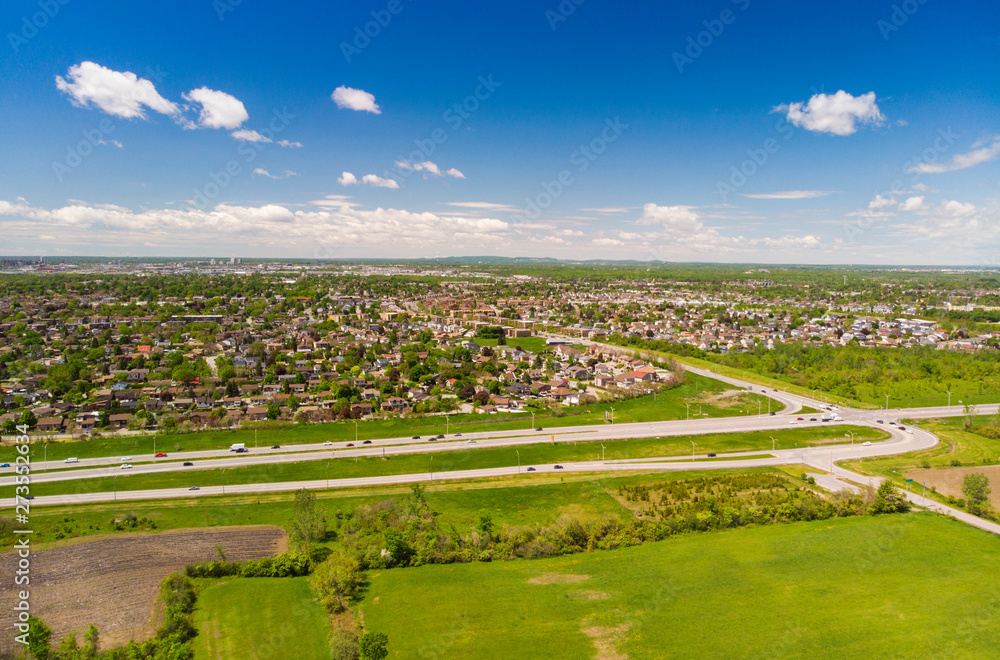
[344, 645]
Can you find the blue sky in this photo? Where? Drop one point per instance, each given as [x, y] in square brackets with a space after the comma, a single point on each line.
[853, 132]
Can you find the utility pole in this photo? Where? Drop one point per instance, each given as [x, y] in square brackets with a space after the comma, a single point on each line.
[688, 410]
[255, 438]
[328, 473]
[692, 451]
[602, 452]
[224, 480]
[887, 403]
[518, 461]
[355, 431]
[45, 455]
[114, 482]
[949, 399]
[612, 415]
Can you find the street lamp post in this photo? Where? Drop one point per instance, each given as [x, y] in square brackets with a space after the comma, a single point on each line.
[688, 410]
[949, 399]
[773, 442]
[692, 451]
[612, 415]
[518, 461]
[355, 431]
[532, 420]
[447, 419]
[602, 452]
[255, 438]
[224, 480]
[850, 433]
[758, 407]
[328, 473]
[432, 468]
[45, 455]
[887, 403]
[114, 483]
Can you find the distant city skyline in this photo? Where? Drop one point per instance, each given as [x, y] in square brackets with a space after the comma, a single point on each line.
[730, 131]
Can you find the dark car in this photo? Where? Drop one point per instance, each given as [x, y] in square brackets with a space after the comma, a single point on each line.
[431, 439]
[880, 421]
[416, 437]
[538, 428]
[558, 467]
[771, 413]
[350, 444]
[367, 442]
[275, 446]
[711, 454]
[531, 469]
[440, 436]
[812, 419]
[29, 497]
[187, 464]
[4, 464]
[194, 488]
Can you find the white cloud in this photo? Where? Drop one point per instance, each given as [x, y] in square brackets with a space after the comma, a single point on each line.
[218, 109]
[348, 179]
[792, 194]
[630, 236]
[879, 202]
[284, 175]
[609, 210]
[118, 93]
[912, 204]
[428, 167]
[355, 99]
[270, 229]
[246, 135]
[676, 218]
[486, 206]
[607, 242]
[962, 161]
[379, 182]
[838, 113]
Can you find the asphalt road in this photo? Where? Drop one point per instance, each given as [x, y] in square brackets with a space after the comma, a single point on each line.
[819, 457]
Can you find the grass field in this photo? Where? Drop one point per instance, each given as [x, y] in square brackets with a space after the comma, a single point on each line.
[908, 586]
[538, 453]
[516, 500]
[260, 619]
[666, 406]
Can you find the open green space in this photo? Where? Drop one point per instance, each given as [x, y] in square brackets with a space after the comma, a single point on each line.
[843, 588]
[667, 405]
[525, 499]
[463, 459]
[265, 618]
[863, 376]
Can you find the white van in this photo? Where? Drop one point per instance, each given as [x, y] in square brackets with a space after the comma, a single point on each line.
[72, 460]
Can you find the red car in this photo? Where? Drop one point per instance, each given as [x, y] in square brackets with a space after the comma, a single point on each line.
[160, 455]
[350, 444]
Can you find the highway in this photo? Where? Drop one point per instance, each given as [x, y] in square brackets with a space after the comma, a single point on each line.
[822, 457]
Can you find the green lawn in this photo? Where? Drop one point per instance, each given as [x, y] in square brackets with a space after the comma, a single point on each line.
[666, 406]
[466, 459]
[909, 586]
[260, 618]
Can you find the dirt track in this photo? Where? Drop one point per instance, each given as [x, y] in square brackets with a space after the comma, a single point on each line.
[949, 481]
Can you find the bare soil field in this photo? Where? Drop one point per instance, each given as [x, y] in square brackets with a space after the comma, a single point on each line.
[113, 582]
[949, 481]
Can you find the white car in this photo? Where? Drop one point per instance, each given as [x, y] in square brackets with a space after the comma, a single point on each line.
[793, 422]
[126, 466]
[866, 444]
[328, 444]
[125, 459]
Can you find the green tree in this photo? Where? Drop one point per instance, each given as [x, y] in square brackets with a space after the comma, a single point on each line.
[273, 410]
[344, 644]
[308, 524]
[28, 419]
[39, 638]
[91, 643]
[976, 488]
[337, 580]
[888, 500]
[373, 646]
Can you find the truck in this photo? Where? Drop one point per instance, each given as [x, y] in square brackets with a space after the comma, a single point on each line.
[72, 460]
[237, 446]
